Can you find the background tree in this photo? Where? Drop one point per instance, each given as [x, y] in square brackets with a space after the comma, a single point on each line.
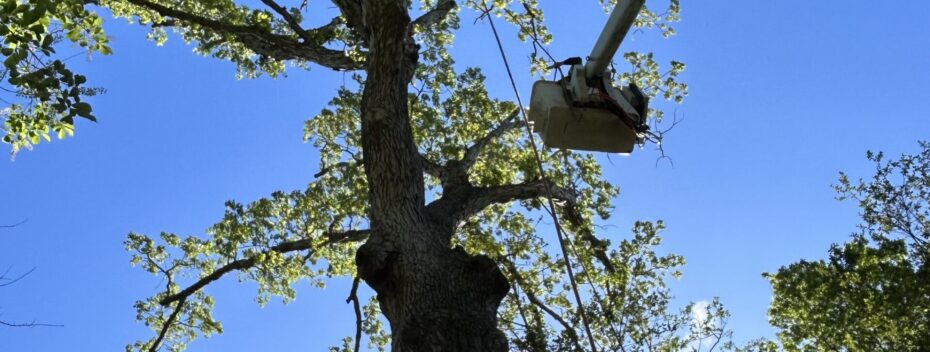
[434, 176]
[873, 292]
[41, 94]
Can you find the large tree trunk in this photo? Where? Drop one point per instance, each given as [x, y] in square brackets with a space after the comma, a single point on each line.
[435, 297]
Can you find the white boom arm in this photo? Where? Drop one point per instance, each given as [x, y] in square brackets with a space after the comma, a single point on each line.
[619, 23]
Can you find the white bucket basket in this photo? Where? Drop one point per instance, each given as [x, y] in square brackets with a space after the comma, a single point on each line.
[562, 125]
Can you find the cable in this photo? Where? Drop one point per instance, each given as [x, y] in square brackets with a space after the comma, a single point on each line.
[542, 173]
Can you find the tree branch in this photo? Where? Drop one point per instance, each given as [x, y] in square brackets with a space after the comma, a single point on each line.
[241, 264]
[438, 13]
[353, 297]
[260, 41]
[454, 173]
[342, 164]
[509, 123]
[512, 268]
[14, 225]
[290, 19]
[482, 197]
[352, 11]
[28, 325]
[167, 325]
[328, 29]
[13, 281]
[432, 169]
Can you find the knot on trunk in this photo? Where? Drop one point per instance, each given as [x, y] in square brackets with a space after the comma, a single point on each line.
[373, 261]
[488, 276]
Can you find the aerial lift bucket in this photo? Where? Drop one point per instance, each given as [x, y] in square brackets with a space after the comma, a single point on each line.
[562, 125]
[584, 111]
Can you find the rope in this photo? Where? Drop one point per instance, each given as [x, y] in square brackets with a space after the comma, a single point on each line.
[542, 173]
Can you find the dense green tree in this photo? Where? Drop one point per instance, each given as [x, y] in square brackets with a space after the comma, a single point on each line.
[429, 189]
[873, 292]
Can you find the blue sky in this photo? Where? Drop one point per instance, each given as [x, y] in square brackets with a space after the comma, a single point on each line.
[783, 96]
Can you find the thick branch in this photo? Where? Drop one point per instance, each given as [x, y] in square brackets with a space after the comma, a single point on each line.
[482, 197]
[260, 41]
[463, 201]
[438, 13]
[241, 264]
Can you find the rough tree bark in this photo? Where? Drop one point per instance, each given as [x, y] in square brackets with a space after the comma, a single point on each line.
[436, 298]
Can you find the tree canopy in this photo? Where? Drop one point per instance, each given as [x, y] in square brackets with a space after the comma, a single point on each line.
[873, 292]
[411, 133]
[41, 94]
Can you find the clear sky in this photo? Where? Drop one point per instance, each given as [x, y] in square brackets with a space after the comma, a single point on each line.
[784, 94]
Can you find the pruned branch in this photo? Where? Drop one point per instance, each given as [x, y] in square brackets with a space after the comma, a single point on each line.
[241, 264]
[436, 14]
[261, 41]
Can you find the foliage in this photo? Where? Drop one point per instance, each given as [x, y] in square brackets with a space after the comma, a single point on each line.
[44, 96]
[873, 292]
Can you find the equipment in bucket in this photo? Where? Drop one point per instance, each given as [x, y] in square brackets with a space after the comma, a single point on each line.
[583, 110]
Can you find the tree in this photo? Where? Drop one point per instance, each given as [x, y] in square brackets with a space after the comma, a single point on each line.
[42, 94]
[428, 191]
[873, 292]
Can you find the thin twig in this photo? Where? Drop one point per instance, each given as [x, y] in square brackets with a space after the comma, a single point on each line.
[29, 325]
[13, 281]
[16, 224]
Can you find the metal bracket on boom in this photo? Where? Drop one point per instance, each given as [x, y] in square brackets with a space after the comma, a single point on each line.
[584, 111]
